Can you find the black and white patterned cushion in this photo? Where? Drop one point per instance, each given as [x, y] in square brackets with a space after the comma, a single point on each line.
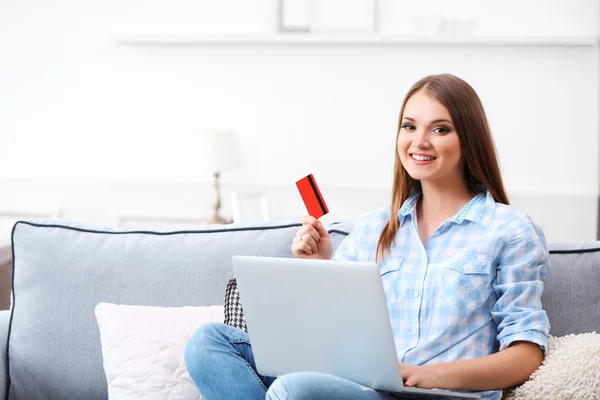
[234, 313]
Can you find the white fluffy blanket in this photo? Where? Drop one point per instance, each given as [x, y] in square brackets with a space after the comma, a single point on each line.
[571, 371]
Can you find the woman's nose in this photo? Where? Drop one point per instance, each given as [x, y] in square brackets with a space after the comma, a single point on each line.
[420, 139]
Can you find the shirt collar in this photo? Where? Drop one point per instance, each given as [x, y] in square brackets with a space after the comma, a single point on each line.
[410, 205]
[479, 209]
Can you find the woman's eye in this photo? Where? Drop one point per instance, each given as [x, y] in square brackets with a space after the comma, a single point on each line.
[441, 129]
[409, 127]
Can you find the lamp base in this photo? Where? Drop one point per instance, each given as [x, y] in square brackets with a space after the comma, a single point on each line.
[216, 220]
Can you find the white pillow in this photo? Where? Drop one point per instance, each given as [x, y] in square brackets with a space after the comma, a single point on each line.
[143, 349]
[571, 370]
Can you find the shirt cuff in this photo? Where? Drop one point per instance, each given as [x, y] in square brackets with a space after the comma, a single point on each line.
[536, 337]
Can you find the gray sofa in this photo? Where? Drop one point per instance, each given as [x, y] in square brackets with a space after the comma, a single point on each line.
[49, 340]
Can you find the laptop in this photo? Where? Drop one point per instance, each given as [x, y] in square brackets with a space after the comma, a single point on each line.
[322, 316]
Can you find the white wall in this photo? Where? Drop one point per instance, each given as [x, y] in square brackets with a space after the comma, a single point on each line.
[79, 111]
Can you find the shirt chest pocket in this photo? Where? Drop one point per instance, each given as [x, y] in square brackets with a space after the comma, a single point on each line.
[389, 271]
[466, 280]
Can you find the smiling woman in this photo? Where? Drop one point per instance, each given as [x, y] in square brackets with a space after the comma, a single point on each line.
[444, 142]
[426, 140]
[460, 268]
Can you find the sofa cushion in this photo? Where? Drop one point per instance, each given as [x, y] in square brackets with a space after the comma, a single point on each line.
[569, 371]
[62, 270]
[571, 289]
[143, 349]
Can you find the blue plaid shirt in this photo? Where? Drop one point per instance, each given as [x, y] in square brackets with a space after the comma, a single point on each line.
[473, 289]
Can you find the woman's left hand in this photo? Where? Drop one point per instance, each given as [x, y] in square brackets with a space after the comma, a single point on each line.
[426, 376]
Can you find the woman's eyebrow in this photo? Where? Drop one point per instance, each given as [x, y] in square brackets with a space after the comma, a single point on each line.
[435, 121]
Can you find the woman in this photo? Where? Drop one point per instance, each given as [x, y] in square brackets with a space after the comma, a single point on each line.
[461, 268]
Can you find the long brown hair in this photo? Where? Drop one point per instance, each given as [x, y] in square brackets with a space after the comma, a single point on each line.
[476, 145]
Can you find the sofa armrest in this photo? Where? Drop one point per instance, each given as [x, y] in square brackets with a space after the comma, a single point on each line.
[4, 320]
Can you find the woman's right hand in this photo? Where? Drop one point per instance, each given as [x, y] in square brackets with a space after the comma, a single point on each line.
[312, 240]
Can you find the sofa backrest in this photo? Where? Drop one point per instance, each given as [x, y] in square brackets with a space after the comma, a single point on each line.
[572, 288]
[62, 270]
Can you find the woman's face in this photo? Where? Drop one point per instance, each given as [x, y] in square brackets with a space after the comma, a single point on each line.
[428, 144]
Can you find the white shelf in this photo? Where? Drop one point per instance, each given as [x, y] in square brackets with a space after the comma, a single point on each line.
[349, 40]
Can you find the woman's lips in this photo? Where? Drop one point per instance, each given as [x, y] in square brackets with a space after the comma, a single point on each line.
[421, 162]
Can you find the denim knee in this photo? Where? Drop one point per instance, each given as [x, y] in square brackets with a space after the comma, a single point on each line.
[199, 348]
[295, 386]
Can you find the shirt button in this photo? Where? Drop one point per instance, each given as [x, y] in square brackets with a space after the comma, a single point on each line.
[417, 294]
[437, 234]
[414, 331]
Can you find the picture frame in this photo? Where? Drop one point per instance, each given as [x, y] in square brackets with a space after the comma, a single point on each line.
[293, 16]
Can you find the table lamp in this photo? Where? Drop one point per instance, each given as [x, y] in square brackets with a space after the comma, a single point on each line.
[217, 151]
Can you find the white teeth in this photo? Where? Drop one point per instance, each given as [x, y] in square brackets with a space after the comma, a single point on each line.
[421, 158]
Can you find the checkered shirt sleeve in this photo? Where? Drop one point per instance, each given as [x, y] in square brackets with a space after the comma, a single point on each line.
[518, 310]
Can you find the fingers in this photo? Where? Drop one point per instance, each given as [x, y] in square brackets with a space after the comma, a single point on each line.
[315, 223]
[408, 375]
[309, 242]
[412, 381]
[309, 220]
[307, 238]
[311, 231]
[404, 369]
[305, 241]
[306, 245]
[297, 251]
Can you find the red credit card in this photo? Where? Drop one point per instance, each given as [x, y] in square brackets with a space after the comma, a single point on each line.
[311, 195]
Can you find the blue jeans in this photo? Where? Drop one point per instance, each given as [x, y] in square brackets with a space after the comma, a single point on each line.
[220, 361]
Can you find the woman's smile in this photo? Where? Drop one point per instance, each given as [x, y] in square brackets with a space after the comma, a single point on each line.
[420, 159]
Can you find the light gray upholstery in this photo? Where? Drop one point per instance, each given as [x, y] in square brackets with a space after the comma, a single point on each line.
[4, 320]
[572, 288]
[62, 271]
[338, 232]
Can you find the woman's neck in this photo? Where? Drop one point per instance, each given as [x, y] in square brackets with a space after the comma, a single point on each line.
[441, 200]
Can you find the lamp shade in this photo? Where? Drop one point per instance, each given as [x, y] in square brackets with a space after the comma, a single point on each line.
[217, 150]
